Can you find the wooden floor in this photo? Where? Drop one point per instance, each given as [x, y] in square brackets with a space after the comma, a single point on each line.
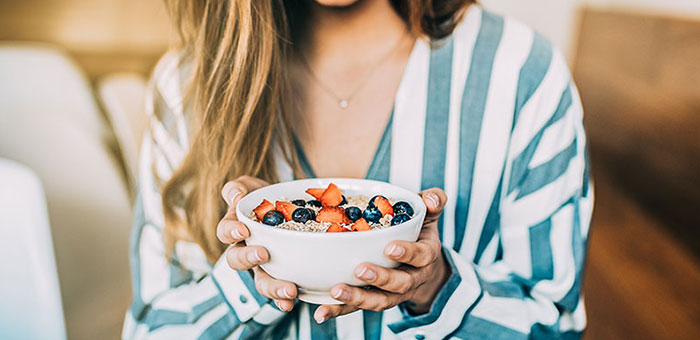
[640, 282]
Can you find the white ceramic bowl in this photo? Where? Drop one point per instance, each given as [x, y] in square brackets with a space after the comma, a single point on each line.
[315, 262]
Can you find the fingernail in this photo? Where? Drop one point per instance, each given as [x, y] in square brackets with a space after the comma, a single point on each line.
[234, 192]
[280, 306]
[341, 294]
[236, 234]
[434, 200]
[367, 274]
[396, 251]
[320, 317]
[254, 257]
[283, 293]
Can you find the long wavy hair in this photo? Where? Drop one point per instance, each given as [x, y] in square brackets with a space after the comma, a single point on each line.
[238, 91]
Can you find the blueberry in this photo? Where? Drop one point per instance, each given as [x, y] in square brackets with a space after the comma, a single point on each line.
[273, 217]
[314, 203]
[403, 208]
[353, 213]
[400, 218]
[299, 203]
[371, 201]
[313, 214]
[302, 215]
[344, 201]
[372, 214]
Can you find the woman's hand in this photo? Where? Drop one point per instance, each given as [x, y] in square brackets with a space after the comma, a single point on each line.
[242, 257]
[417, 281]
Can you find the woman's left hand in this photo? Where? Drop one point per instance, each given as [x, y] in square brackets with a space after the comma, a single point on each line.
[417, 281]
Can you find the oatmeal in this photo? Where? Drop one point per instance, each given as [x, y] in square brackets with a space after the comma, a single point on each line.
[332, 211]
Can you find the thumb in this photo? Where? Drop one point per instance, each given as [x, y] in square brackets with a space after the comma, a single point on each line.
[434, 199]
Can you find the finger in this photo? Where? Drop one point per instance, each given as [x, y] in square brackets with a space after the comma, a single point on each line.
[325, 312]
[232, 191]
[363, 298]
[231, 231]
[434, 199]
[392, 280]
[416, 254]
[282, 292]
[284, 305]
[240, 257]
[240, 187]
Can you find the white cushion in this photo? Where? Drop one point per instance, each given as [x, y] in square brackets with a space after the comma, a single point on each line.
[30, 300]
[51, 123]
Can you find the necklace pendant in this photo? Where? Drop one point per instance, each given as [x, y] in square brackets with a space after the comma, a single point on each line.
[343, 104]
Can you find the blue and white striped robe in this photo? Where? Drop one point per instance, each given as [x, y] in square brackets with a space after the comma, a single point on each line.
[491, 115]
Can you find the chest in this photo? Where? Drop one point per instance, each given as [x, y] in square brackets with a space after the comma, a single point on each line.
[342, 140]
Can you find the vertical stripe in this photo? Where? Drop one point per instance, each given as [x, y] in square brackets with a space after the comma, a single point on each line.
[541, 251]
[372, 323]
[499, 250]
[532, 72]
[303, 161]
[324, 331]
[473, 103]
[491, 225]
[381, 163]
[464, 38]
[285, 328]
[305, 320]
[350, 326]
[408, 125]
[494, 133]
[436, 119]
[578, 246]
[137, 304]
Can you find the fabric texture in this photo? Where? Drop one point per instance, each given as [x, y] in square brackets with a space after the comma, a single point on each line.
[490, 115]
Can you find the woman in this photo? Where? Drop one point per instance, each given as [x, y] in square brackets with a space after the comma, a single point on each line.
[431, 94]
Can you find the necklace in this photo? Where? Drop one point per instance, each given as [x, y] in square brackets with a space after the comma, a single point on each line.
[344, 102]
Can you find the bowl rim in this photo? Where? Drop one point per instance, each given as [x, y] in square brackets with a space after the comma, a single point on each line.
[419, 212]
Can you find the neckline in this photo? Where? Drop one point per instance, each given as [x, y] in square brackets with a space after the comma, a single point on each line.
[379, 153]
[381, 150]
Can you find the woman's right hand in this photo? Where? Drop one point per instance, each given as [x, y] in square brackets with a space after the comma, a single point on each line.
[242, 257]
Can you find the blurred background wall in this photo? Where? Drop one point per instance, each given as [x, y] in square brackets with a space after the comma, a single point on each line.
[559, 20]
[73, 72]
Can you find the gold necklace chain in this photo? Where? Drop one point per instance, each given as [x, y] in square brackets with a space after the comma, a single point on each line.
[344, 102]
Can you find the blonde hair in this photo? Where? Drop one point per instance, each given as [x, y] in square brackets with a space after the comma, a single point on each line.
[238, 91]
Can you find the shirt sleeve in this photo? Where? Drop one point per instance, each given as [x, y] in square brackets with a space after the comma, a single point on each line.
[170, 301]
[532, 289]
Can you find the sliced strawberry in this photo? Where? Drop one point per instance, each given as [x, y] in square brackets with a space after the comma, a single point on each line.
[332, 196]
[383, 205]
[332, 215]
[286, 208]
[315, 192]
[263, 208]
[336, 228]
[360, 225]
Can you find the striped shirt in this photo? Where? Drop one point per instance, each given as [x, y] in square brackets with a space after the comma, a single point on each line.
[489, 114]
